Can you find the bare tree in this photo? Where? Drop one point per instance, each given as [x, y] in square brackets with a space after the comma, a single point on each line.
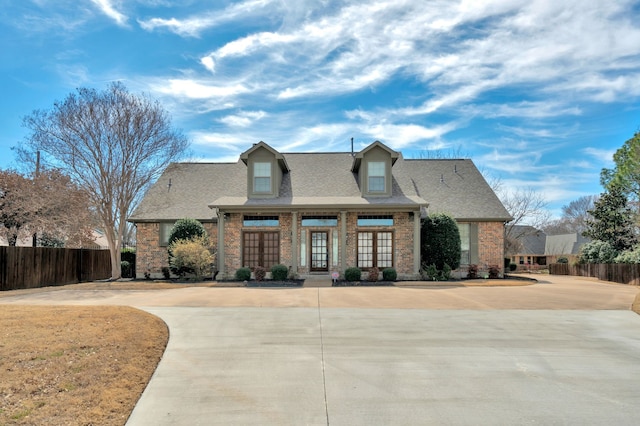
[574, 216]
[113, 144]
[48, 204]
[527, 207]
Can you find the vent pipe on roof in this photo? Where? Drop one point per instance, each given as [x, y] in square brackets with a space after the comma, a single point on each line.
[352, 147]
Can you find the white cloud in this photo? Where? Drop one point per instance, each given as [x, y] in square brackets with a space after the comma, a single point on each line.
[191, 89]
[107, 7]
[243, 118]
[195, 25]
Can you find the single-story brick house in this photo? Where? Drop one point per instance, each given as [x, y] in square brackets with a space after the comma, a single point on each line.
[320, 212]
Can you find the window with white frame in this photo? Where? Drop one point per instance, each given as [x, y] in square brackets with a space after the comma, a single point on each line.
[261, 177]
[376, 173]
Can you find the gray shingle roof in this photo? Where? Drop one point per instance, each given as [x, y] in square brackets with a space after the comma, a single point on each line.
[323, 180]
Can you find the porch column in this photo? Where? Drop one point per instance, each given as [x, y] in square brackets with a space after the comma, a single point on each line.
[220, 254]
[294, 242]
[343, 240]
[416, 242]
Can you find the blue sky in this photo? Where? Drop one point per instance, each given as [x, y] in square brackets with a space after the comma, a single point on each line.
[539, 94]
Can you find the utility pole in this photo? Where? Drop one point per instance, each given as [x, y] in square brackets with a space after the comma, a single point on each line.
[35, 234]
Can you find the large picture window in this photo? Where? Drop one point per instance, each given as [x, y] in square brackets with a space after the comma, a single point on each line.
[261, 177]
[260, 249]
[375, 249]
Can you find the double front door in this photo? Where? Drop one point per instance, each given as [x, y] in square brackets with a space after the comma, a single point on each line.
[319, 251]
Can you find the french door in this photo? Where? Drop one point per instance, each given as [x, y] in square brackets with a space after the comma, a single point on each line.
[319, 251]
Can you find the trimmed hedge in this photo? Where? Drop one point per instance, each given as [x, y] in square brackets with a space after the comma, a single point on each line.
[279, 272]
[352, 274]
[243, 274]
[389, 274]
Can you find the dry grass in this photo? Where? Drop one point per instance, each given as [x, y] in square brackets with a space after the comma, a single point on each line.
[63, 365]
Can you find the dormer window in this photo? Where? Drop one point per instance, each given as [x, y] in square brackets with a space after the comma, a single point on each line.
[262, 177]
[376, 173]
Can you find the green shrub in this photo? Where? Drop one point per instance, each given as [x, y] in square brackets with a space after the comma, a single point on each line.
[440, 241]
[191, 256]
[279, 272]
[562, 260]
[445, 274]
[513, 267]
[430, 273]
[352, 274]
[630, 256]
[243, 274]
[260, 273]
[389, 274]
[186, 229]
[597, 252]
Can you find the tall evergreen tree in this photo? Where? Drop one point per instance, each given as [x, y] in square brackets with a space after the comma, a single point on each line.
[612, 220]
[440, 241]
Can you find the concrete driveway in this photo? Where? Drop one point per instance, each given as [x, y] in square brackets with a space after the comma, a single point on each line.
[563, 351]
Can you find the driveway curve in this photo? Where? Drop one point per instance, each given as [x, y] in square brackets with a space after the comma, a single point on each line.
[561, 351]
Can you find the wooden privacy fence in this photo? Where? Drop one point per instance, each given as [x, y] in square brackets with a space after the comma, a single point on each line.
[623, 273]
[32, 267]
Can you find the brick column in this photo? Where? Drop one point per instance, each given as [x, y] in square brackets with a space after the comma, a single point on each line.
[221, 270]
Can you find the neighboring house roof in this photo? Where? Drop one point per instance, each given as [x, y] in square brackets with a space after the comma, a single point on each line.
[536, 242]
[565, 244]
[532, 240]
[321, 180]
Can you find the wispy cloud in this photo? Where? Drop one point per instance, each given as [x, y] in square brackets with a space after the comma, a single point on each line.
[107, 7]
[193, 26]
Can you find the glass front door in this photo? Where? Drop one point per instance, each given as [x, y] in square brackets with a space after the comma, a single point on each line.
[319, 251]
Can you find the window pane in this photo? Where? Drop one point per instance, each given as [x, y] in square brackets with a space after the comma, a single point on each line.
[262, 169]
[376, 171]
[251, 249]
[365, 249]
[262, 177]
[375, 220]
[385, 250]
[320, 221]
[165, 232]
[271, 253]
[260, 221]
[262, 184]
[465, 252]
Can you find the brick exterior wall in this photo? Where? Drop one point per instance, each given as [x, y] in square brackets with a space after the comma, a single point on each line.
[151, 257]
[490, 244]
[402, 234]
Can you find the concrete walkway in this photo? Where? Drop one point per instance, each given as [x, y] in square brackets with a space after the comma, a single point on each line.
[563, 351]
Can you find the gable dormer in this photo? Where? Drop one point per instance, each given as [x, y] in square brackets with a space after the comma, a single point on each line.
[373, 167]
[265, 168]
